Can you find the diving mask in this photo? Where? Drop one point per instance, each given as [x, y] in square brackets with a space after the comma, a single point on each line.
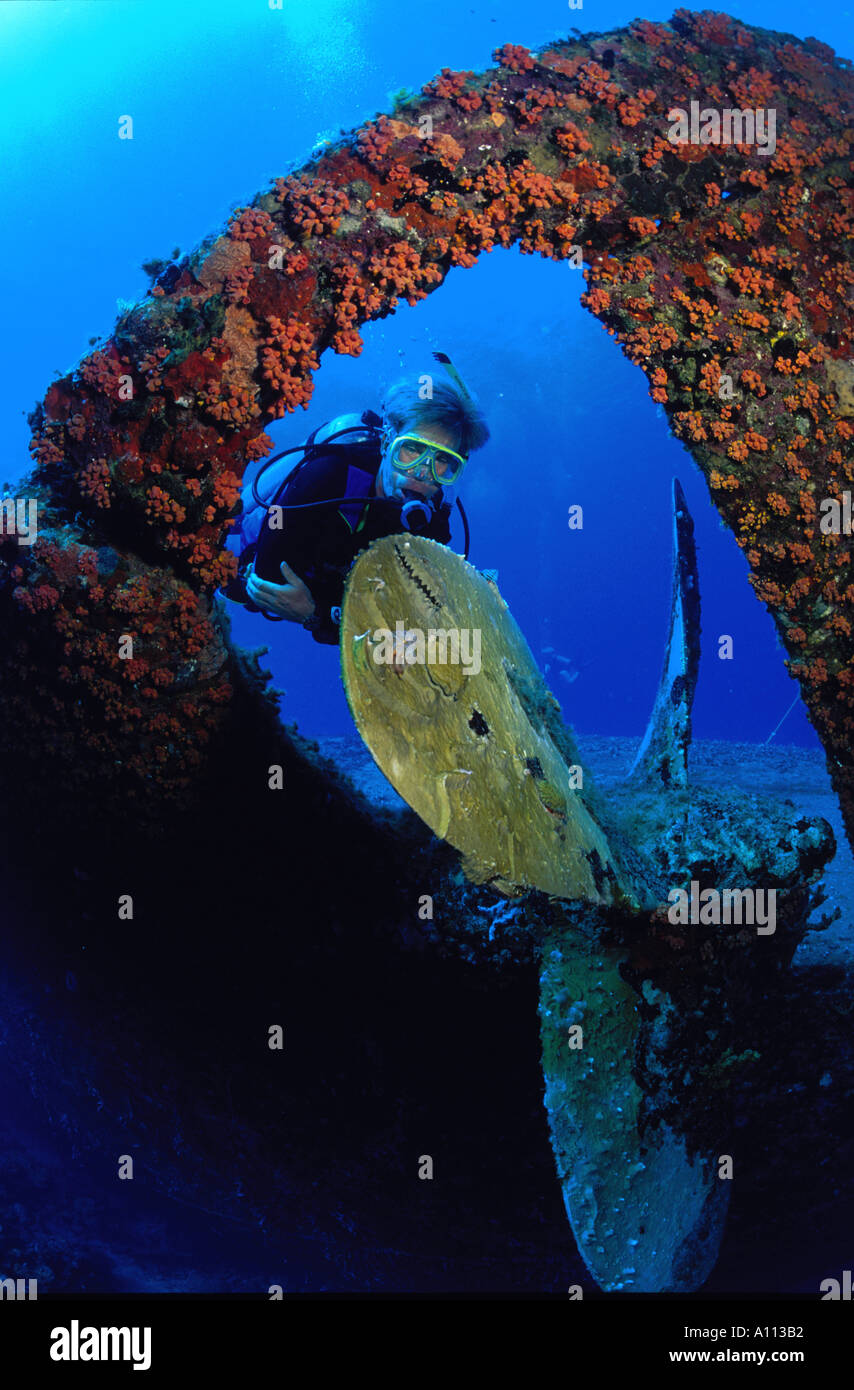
[410, 453]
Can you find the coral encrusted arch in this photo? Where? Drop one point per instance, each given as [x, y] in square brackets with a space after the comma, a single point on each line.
[723, 270]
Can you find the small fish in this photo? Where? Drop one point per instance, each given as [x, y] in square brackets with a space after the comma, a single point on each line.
[570, 670]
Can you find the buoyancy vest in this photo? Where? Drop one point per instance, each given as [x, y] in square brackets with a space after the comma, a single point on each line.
[246, 528]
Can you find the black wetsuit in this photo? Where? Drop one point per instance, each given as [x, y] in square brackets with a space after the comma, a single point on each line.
[320, 543]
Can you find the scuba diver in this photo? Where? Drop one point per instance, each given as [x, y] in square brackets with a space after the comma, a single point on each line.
[360, 477]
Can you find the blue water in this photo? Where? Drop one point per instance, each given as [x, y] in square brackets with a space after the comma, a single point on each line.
[224, 95]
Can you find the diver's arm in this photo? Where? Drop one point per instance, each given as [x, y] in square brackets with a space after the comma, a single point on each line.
[294, 602]
[288, 546]
[291, 600]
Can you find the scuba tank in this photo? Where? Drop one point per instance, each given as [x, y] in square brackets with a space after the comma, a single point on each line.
[356, 430]
[246, 529]
[350, 430]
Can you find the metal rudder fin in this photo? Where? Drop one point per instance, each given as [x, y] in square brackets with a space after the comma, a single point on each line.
[662, 758]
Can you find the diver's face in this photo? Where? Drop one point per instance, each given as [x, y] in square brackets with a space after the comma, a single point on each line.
[420, 483]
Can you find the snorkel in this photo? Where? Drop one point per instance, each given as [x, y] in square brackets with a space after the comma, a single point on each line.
[444, 360]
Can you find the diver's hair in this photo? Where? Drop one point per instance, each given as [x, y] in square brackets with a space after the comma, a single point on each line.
[421, 400]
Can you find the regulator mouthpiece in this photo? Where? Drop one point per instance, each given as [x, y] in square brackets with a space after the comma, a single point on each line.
[415, 516]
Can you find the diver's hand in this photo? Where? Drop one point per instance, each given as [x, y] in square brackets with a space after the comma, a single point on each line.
[291, 600]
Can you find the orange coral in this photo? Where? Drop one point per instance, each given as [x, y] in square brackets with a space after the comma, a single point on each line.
[161, 507]
[753, 381]
[642, 226]
[94, 482]
[348, 341]
[287, 358]
[595, 82]
[102, 371]
[514, 57]
[315, 206]
[572, 140]
[237, 284]
[250, 223]
[399, 267]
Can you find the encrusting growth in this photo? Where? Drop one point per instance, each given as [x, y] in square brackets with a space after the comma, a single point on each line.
[723, 271]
